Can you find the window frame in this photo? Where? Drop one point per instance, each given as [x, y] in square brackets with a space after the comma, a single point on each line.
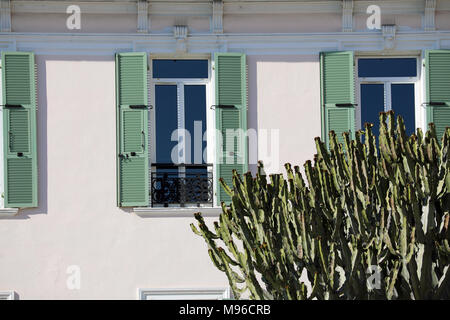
[185, 294]
[419, 110]
[7, 295]
[210, 115]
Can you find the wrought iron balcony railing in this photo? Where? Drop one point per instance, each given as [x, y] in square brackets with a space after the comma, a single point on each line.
[181, 184]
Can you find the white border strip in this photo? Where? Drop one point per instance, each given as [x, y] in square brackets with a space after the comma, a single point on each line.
[7, 295]
[174, 212]
[185, 294]
[8, 212]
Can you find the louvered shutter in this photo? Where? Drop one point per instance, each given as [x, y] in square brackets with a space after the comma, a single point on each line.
[437, 64]
[19, 130]
[132, 129]
[337, 93]
[231, 118]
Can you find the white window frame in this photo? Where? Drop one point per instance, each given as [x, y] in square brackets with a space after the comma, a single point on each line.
[210, 114]
[7, 295]
[419, 110]
[185, 294]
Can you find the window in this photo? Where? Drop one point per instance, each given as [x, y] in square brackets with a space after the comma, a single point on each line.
[185, 294]
[180, 172]
[382, 84]
[387, 84]
[168, 147]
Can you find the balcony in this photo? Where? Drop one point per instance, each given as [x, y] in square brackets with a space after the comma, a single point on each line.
[181, 185]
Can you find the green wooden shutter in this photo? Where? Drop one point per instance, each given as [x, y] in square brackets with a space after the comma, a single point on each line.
[132, 129]
[19, 130]
[231, 118]
[337, 93]
[437, 64]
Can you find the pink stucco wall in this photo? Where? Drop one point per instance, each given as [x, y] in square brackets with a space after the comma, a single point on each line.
[276, 23]
[284, 96]
[78, 223]
[442, 20]
[403, 21]
[96, 23]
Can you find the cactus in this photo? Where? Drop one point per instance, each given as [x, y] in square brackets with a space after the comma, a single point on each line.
[355, 209]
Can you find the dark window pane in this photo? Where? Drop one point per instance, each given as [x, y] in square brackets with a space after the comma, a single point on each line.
[387, 67]
[372, 103]
[166, 121]
[195, 121]
[180, 68]
[403, 104]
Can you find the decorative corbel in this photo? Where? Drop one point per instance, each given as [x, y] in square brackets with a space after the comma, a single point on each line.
[180, 35]
[142, 24]
[347, 15]
[429, 16]
[388, 31]
[217, 17]
[5, 15]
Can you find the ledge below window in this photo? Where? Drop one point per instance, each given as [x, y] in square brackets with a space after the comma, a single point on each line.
[8, 212]
[167, 212]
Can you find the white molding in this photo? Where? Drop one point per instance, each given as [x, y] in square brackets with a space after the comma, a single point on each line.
[5, 16]
[142, 24]
[217, 16]
[180, 34]
[347, 15]
[185, 294]
[7, 295]
[174, 212]
[8, 212]
[207, 43]
[389, 32]
[429, 15]
[204, 7]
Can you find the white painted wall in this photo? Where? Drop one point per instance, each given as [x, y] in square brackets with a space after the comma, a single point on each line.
[277, 23]
[284, 97]
[56, 22]
[77, 222]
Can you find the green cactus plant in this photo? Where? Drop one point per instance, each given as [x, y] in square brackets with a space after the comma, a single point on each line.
[360, 209]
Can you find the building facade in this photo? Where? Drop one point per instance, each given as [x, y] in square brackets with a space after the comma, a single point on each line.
[119, 117]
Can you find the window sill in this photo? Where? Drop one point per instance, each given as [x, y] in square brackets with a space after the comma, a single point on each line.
[168, 212]
[185, 294]
[8, 212]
